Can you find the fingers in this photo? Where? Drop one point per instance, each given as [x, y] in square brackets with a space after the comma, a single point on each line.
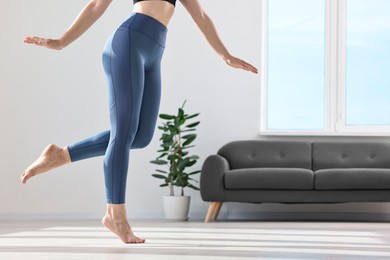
[54, 44]
[35, 40]
[29, 39]
[237, 63]
[249, 67]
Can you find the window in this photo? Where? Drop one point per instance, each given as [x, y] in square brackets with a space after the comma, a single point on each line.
[296, 60]
[367, 63]
[325, 67]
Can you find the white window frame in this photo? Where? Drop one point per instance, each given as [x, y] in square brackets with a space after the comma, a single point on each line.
[335, 60]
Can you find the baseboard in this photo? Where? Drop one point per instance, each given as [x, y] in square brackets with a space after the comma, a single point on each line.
[49, 216]
[223, 216]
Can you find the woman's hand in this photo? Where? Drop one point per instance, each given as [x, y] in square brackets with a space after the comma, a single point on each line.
[48, 43]
[239, 64]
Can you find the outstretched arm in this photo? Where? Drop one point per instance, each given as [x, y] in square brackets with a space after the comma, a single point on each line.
[208, 29]
[88, 16]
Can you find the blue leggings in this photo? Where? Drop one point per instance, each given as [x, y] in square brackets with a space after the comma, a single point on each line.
[131, 60]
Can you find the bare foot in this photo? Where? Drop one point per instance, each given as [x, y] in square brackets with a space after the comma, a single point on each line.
[122, 229]
[116, 221]
[51, 157]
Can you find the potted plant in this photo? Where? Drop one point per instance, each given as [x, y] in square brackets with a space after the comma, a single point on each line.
[177, 138]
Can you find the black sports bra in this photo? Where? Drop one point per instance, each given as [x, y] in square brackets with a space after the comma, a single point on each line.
[170, 1]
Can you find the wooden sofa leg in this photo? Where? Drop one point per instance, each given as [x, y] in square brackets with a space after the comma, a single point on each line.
[218, 208]
[212, 206]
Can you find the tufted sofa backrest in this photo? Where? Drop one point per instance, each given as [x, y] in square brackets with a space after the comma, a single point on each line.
[271, 154]
[351, 155]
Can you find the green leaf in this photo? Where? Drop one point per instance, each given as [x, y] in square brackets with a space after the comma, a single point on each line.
[192, 186]
[191, 163]
[162, 155]
[183, 163]
[167, 140]
[167, 117]
[180, 113]
[164, 185]
[172, 157]
[161, 171]
[167, 144]
[192, 116]
[159, 162]
[166, 137]
[172, 176]
[181, 182]
[188, 136]
[188, 147]
[177, 122]
[188, 130]
[195, 172]
[193, 124]
[194, 157]
[189, 140]
[159, 176]
[173, 129]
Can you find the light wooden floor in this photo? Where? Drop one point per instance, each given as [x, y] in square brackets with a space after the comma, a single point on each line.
[71, 240]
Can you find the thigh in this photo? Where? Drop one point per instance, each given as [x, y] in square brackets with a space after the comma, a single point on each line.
[149, 109]
[125, 74]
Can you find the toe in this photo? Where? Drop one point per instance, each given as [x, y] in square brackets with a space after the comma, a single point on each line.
[136, 240]
[23, 177]
[27, 176]
[140, 240]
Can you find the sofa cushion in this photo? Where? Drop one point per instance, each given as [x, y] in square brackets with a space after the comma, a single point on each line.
[352, 179]
[259, 153]
[328, 155]
[269, 178]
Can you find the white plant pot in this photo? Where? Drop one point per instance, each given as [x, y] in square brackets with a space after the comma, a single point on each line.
[176, 207]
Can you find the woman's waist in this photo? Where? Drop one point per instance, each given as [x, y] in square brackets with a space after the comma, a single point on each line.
[146, 25]
[162, 11]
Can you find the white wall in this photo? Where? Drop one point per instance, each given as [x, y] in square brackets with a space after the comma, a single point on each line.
[60, 97]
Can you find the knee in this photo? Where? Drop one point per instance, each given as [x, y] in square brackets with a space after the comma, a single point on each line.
[141, 141]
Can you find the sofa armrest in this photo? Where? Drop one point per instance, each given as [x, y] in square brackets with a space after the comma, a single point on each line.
[212, 186]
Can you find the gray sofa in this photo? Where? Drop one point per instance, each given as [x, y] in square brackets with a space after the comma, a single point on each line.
[257, 171]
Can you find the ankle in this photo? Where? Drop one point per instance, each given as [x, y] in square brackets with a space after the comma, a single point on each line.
[116, 212]
[65, 154]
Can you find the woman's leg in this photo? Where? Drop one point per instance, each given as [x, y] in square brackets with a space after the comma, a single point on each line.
[134, 94]
[149, 109]
[92, 146]
[126, 59]
[125, 73]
